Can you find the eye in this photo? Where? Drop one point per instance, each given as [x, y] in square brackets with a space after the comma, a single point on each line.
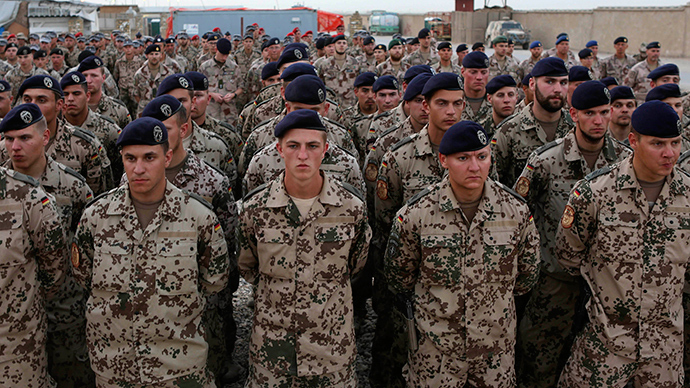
[462, 158]
[482, 157]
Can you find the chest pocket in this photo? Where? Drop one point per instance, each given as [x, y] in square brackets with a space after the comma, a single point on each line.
[333, 241]
[499, 255]
[677, 242]
[562, 187]
[112, 267]
[442, 263]
[12, 235]
[178, 269]
[617, 231]
[277, 250]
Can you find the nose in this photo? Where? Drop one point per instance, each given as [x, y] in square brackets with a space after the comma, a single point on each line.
[139, 167]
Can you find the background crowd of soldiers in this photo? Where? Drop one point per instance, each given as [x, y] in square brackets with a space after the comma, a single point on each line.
[468, 288]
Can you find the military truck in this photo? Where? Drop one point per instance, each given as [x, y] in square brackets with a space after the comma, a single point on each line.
[511, 29]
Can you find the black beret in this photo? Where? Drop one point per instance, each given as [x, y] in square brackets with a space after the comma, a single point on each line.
[224, 46]
[477, 45]
[423, 33]
[475, 60]
[338, 37]
[585, 53]
[327, 40]
[10, 45]
[416, 70]
[292, 53]
[4, 86]
[213, 37]
[297, 69]
[622, 93]
[658, 119]
[652, 45]
[199, 81]
[365, 79]
[562, 34]
[369, 40]
[416, 86]
[510, 41]
[306, 89]
[273, 41]
[153, 48]
[579, 73]
[381, 46]
[143, 131]
[620, 39]
[269, 70]
[24, 50]
[162, 107]
[608, 81]
[20, 117]
[590, 94]
[499, 82]
[663, 92]
[72, 78]
[57, 51]
[464, 136]
[88, 51]
[174, 81]
[411, 41]
[41, 81]
[158, 39]
[301, 118]
[443, 45]
[443, 81]
[388, 82]
[461, 48]
[525, 79]
[667, 69]
[40, 54]
[320, 43]
[551, 66]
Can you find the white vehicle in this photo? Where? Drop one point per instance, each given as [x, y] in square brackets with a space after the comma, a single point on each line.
[510, 29]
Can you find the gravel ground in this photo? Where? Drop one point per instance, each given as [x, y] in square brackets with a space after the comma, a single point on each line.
[243, 317]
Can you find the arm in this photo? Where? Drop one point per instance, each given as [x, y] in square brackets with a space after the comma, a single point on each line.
[576, 228]
[84, 244]
[403, 254]
[528, 256]
[389, 196]
[47, 237]
[359, 250]
[212, 255]
[248, 259]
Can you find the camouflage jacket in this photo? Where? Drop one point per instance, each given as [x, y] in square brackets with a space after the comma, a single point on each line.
[454, 68]
[634, 259]
[516, 138]
[464, 279]
[33, 264]
[525, 68]
[72, 58]
[380, 123]
[107, 133]
[253, 77]
[509, 67]
[245, 61]
[212, 149]
[613, 67]
[387, 68]
[15, 77]
[484, 113]
[551, 172]
[227, 132]
[147, 287]
[638, 81]
[223, 78]
[366, 64]
[267, 164]
[124, 72]
[302, 266]
[350, 115]
[5, 68]
[572, 57]
[173, 65]
[113, 109]
[146, 84]
[190, 54]
[340, 79]
[416, 58]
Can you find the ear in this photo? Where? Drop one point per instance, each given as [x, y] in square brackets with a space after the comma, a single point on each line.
[280, 149]
[168, 158]
[184, 130]
[444, 160]
[573, 114]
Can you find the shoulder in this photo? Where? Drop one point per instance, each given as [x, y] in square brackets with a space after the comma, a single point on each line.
[508, 191]
[254, 192]
[392, 129]
[403, 142]
[352, 190]
[510, 121]
[417, 197]
[71, 171]
[84, 134]
[598, 173]
[333, 123]
[18, 176]
[105, 198]
[548, 146]
[198, 198]
[382, 115]
[683, 157]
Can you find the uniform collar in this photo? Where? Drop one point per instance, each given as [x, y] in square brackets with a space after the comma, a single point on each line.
[626, 179]
[487, 205]
[121, 203]
[279, 197]
[51, 174]
[572, 152]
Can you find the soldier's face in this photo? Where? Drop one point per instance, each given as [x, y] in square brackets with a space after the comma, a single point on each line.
[591, 124]
[366, 98]
[396, 52]
[154, 57]
[184, 96]
[94, 79]
[653, 54]
[11, 53]
[563, 47]
[387, 99]
[69, 43]
[536, 52]
[41, 62]
[302, 150]
[445, 54]
[620, 48]
[183, 42]
[45, 46]
[293, 106]
[379, 55]
[176, 133]
[467, 171]
[58, 60]
[26, 146]
[271, 80]
[170, 49]
[676, 103]
[445, 108]
[76, 100]
[5, 103]
[501, 49]
[340, 30]
[475, 79]
[667, 79]
[503, 101]
[621, 111]
[145, 167]
[81, 45]
[248, 44]
[654, 157]
[368, 48]
[274, 52]
[550, 92]
[201, 102]
[425, 42]
[587, 62]
[461, 55]
[511, 48]
[330, 50]
[25, 61]
[129, 50]
[307, 38]
[595, 50]
[419, 112]
[46, 101]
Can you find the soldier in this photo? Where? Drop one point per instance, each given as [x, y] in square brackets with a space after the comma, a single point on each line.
[461, 51]
[610, 82]
[211, 49]
[501, 93]
[391, 110]
[72, 52]
[188, 51]
[395, 65]
[541, 122]
[149, 77]
[245, 56]
[269, 50]
[638, 203]
[169, 51]
[380, 54]
[5, 97]
[34, 261]
[366, 103]
[596, 64]
[552, 170]
[562, 51]
[445, 52]
[475, 71]
[577, 75]
[176, 244]
[498, 61]
[509, 53]
[226, 83]
[623, 104]
[339, 72]
[11, 54]
[92, 68]
[41, 60]
[618, 64]
[529, 93]
[466, 317]
[535, 49]
[124, 70]
[69, 145]
[637, 76]
[587, 60]
[367, 60]
[57, 62]
[324, 211]
[406, 169]
[425, 55]
[23, 71]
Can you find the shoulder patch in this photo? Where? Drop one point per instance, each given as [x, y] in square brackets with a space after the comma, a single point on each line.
[199, 198]
[415, 198]
[24, 178]
[602, 171]
[548, 146]
[250, 103]
[401, 143]
[511, 192]
[255, 191]
[353, 190]
[507, 119]
[72, 172]
[84, 134]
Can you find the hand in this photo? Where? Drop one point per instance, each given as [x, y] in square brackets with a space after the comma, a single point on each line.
[228, 97]
[217, 97]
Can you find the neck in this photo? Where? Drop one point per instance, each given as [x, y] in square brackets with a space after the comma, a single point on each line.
[619, 132]
[464, 195]
[339, 57]
[499, 56]
[435, 134]
[651, 62]
[620, 56]
[52, 128]
[424, 50]
[248, 51]
[129, 57]
[26, 68]
[542, 114]
[200, 120]
[586, 144]
[152, 66]
[497, 119]
[470, 93]
[303, 189]
[562, 56]
[641, 173]
[416, 125]
[95, 98]
[445, 63]
[367, 111]
[178, 155]
[157, 194]
[79, 118]
[35, 170]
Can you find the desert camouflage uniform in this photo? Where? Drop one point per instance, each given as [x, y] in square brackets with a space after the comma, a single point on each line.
[172, 64]
[340, 79]
[147, 288]
[462, 277]
[60, 72]
[572, 58]
[613, 67]
[380, 123]
[190, 54]
[251, 116]
[113, 109]
[551, 172]
[16, 77]
[223, 78]
[72, 58]
[353, 113]
[454, 68]
[634, 258]
[212, 149]
[4, 68]
[484, 113]
[386, 68]
[34, 261]
[227, 132]
[109, 56]
[509, 67]
[203, 58]
[107, 133]
[525, 68]
[245, 61]
[267, 164]
[253, 77]
[416, 58]
[109, 85]
[516, 138]
[366, 64]
[124, 74]
[301, 266]
[146, 84]
[638, 81]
